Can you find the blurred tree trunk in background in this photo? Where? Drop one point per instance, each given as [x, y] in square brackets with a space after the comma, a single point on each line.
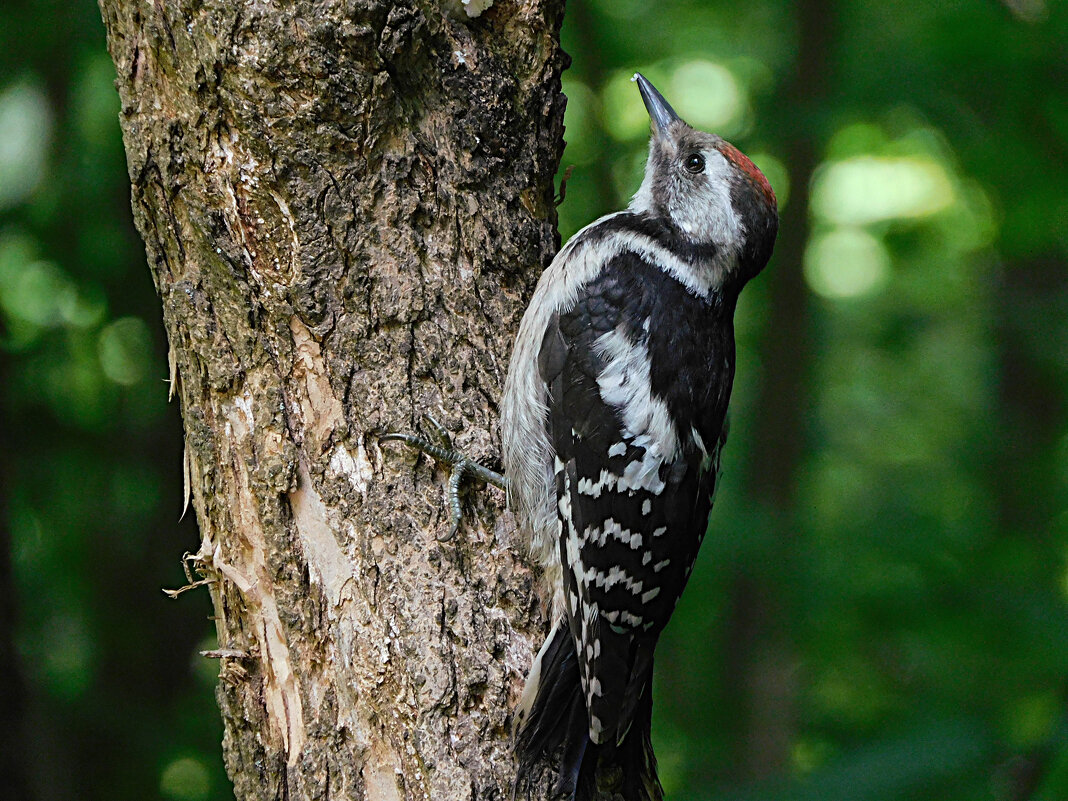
[345, 206]
[1032, 404]
[1025, 468]
[14, 766]
[762, 665]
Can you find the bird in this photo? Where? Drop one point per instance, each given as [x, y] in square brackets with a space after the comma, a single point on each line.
[613, 419]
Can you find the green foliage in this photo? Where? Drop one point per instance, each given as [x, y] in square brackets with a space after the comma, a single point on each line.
[91, 450]
[914, 638]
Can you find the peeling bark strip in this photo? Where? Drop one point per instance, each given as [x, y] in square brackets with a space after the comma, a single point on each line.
[345, 205]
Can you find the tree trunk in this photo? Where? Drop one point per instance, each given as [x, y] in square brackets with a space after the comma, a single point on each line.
[346, 204]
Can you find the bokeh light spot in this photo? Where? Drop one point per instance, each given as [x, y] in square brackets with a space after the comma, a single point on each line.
[1031, 718]
[25, 127]
[95, 101]
[38, 294]
[125, 348]
[185, 779]
[707, 96]
[870, 189]
[846, 263]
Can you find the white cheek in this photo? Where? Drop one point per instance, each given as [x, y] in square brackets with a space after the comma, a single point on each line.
[707, 215]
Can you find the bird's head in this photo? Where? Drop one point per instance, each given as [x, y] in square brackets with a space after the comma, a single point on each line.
[706, 190]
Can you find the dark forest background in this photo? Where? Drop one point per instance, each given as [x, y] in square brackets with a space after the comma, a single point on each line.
[880, 610]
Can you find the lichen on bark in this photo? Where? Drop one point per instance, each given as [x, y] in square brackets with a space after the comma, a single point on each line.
[345, 205]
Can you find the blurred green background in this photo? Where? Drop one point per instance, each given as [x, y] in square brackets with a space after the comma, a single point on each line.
[881, 608]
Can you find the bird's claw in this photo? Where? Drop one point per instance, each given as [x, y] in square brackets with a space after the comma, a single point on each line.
[439, 431]
[460, 465]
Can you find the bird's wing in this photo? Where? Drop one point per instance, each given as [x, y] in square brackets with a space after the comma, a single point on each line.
[633, 497]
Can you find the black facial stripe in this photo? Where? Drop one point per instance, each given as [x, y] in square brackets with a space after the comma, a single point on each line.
[661, 231]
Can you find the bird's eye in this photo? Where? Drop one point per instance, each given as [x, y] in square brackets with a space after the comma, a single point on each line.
[694, 163]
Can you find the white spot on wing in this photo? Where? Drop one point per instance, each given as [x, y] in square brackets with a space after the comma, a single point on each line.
[631, 620]
[698, 441]
[606, 481]
[606, 581]
[595, 728]
[617, 532]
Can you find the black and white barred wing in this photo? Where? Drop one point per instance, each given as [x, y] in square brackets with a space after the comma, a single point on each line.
[633, 497]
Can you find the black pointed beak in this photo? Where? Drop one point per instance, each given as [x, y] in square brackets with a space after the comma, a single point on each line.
[660, 112]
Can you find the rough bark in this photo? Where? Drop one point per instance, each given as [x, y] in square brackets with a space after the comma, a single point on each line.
[345, 205]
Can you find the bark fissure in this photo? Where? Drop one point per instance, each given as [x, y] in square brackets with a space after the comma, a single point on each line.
[345, 204]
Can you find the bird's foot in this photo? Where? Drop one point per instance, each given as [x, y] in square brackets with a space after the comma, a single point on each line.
[460, 465]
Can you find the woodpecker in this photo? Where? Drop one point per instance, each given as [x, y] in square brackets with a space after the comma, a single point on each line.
[613, 420]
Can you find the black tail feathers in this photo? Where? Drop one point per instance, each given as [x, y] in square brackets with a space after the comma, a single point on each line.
[552, 723]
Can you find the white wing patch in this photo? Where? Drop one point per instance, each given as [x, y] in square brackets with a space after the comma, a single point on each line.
[625, 385]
